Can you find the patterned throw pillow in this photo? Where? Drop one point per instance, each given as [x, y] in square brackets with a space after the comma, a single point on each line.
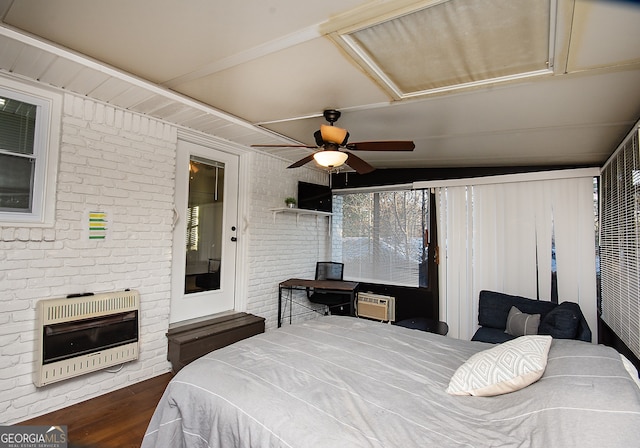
[504, 368]
[521, 324]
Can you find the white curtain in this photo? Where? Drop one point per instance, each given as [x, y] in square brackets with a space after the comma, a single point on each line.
[497, 233]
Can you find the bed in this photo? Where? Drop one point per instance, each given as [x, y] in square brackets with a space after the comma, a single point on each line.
[345, 382]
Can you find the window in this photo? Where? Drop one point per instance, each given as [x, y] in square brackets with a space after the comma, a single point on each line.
[28, 153]
[383, 236]
[620, 243]
[192, 227]
[17, 158]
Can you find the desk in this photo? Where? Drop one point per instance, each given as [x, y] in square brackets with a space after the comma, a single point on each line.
[333, 286]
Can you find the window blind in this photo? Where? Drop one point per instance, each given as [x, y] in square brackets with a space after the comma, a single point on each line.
[501, 236]
[620, 242]
[381, 236]
[17, 159]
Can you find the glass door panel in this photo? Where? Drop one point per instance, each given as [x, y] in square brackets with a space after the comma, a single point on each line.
[205, 205]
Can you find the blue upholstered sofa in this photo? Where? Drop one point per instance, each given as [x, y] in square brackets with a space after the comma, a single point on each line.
[562, 321]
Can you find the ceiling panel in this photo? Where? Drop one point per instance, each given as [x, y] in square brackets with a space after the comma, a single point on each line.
[10, 51]
[456, 43]
[153, 103]
[163, 39]
[86, 80]
[223, 70]
[131, 97]
[298, 81]
[110, 89]
[32, 62]
[605, 33]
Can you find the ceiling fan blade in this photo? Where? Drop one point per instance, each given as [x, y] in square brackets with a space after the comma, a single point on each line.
[301, 162]
[382, 146]
[358, 164]
[283, 146]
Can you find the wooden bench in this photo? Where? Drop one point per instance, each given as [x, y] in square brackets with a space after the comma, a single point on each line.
[189, 342]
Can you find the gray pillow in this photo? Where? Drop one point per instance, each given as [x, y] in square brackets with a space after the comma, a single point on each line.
[521, 324]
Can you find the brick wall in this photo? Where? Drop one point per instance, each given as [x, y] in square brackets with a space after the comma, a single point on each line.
[281, 246]
[114, 161]
[123, 163]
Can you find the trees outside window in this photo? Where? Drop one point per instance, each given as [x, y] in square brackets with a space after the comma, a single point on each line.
[383, 236]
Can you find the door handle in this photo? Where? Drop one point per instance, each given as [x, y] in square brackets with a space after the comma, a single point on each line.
[233, 238]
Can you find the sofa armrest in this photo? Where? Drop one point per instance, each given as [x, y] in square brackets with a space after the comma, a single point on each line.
[566, 321]
[584, 332]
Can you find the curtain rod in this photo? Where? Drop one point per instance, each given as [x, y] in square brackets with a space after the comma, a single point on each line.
[373, 189]
[510, 178]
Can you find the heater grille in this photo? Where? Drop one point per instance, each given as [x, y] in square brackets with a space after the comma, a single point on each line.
[78, 335]
[84, 307]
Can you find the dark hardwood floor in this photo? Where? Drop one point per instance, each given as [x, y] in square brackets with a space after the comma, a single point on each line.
[115, 420]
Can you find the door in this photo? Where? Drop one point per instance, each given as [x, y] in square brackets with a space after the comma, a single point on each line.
[204, 235]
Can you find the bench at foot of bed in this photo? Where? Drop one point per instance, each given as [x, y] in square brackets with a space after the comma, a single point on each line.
[191, 341]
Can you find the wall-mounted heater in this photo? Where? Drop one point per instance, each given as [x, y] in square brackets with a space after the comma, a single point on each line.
[82, 334]
[375, 306]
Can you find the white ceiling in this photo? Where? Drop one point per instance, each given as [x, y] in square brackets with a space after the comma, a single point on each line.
[249, 71]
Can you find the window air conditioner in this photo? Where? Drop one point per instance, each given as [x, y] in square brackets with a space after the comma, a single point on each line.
[374, 306]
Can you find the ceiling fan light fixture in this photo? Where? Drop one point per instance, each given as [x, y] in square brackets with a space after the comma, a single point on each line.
[334, 134]
[330, 159]
[329, 140]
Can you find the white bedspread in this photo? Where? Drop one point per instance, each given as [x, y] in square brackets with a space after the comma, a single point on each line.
[346, 382]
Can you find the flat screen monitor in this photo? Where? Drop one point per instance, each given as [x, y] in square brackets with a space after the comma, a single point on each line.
[314, 197]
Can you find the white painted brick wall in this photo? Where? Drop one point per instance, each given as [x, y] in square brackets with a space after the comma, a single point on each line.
[110, 160]
[283, 247]
[124, 163]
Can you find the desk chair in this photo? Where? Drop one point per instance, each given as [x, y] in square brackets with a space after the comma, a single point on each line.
[336, 303]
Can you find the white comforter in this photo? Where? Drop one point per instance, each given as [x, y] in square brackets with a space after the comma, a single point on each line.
[346, 382]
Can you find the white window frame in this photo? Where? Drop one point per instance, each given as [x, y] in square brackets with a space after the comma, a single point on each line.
[46, 152]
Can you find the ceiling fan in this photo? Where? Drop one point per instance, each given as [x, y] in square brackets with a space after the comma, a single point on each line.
[332, 142]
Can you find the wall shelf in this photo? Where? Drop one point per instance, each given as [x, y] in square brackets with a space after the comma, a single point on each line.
[299, 212]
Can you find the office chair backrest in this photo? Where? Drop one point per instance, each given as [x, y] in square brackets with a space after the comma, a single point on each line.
[329, 270]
